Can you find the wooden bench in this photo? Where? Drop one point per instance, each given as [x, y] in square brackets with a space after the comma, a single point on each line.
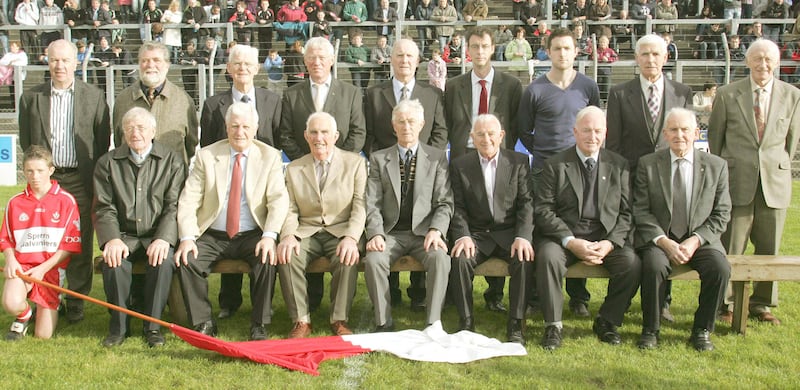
[744, 269]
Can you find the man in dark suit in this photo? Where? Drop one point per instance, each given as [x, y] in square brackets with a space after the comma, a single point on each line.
[681, 206]
[493, 217]
[70, 118]
[483, 90]
[409, 206]
[321, 93]
[583, 214]
[636, 111]
[242, 66]
[759, 151]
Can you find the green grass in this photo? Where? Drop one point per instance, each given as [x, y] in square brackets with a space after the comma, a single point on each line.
[765, 358]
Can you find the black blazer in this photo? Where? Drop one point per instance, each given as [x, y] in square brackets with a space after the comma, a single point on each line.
[212, 120]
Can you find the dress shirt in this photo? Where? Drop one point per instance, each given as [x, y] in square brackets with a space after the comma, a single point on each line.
[138, 159]
[476, 97]
[62, 132]
[397, 86]
[687, 172]
[322, 88]
[645, 84]
[583, 158]
[765, 97]
[237, 96]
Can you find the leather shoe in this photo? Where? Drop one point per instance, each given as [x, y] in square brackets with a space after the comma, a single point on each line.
[767, 317]
[666, 315]
[340, 328]
[226, 312]
[497, 306]
[606, 331]
[258, 332]
[514, 331]
[579, 309]
[701, 340]
[387, 327]
[417, 306]
[113, 340]
[552, 338]
[300, 330]
[208, 328]
[466, 323]
[725, 316]
[648, 340]
[74, 312]
[154, 338]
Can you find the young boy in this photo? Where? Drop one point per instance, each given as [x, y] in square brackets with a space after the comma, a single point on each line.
[45, 220]
[274, 67]
[357, 54]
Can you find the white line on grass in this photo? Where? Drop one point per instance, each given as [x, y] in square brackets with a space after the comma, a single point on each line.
[352, 377]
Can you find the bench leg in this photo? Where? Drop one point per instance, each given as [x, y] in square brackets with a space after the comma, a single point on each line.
[177, 308]
[741, 299]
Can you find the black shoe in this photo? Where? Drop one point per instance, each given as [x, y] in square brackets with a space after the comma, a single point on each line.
[579, 309]
[387, 327]
[208, 328]
[113, 340]
[552, 338]
[417, 306]
[514, 331]
[18, 330]
[154, 338]
[226, 312]
[666, 315]
[497, 306]
[606, 331]
[258, 332]
[466, 324]
[648, 340]
[74, 312]
[701, 340]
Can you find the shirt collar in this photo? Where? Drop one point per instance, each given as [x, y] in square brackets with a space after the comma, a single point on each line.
[646, 83]
[329, 159]
[485, 161]
[140, 157]
[767, 88]
[326, 83]
[244, 153]
[583, 157]
[157, 90]
[59, 92]
[403, 150]
[397, 85]
[689, 157]
[237, 96]
[489, 77]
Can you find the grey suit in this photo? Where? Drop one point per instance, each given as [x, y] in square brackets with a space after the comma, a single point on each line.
[558, 209]
[760, 170]
[92, 130]
[432, 209]
[709, 213]
[344, 102]
[212, 119]
[458, 100]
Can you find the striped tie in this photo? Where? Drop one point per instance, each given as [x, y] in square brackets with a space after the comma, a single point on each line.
[652, 103]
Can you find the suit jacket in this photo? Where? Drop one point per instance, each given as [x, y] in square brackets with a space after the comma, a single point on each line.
[212, 120]
[206, 189]
[378, 108]
[503, 103]
[710, 207]
[558, 200]
[732, 135]
[91, 124]
[433, 198]
[631, 131]
[512, 203]
[344, 102]
[339, 209]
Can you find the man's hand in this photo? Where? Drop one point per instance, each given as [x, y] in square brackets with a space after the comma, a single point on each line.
[266, 249]
[157, 252]
[182, 253]
[672, 250]
[114, 251]
[466, 245]
[585, 251]
[433, 240]
[689, 246]
[286, 247]
[347, 250]
[376, 244]
[522, 249]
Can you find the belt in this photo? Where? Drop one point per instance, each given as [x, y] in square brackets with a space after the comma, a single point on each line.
[62, 171]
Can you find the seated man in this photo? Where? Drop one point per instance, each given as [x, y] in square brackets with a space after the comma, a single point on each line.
[583, 214]
[326, 218]
[233, 206]
[37, 244]
[137, 186]
[493, 217]
[679, 220]
[407, 216]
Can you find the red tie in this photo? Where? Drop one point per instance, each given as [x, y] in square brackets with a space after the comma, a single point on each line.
[483, 106]
[234, 198]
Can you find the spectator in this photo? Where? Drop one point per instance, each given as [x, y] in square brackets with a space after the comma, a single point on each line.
[290, 23]
[104, 57]
[501, 38]
[264, 16]
[381, 55]
[519, 50]
[333, 12]
[310, 8]
[28, 15]
[358, 54]
[710, 43]
[172, 34]
[194, 15]
[702, 28]
[123, 57]
[600, 11]
[702, 102]
[776, 9]
[605, 55]
[74, 17]
[150, 16]
[578, 12]
[641, 11]
[241, 19]
[208, 51]
[444, 13]
[3, 33]
[387, 15]
[293, 64]
[424, 12]
[517, 7]
[126, 11]
[531, 13]
[621, 32]
[582, 42]
[273, 65]
[437, 69]
[754, 33]
[453, 56]
[96, 16]
[15, 57]
[214, 14]
[50, 15]
[732, 9]
[321, 27]
[475, 10]
[672, 54]
[665, 10]
[355, 11]
[538, 40]
[190, 56]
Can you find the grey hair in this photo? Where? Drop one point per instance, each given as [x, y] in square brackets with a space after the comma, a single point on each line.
[319, 43]
[244, 110]
[651, 39]
[322, 115]
[681, 111]
[760, 44]
[141, 114]
[485, 118]
[248, 52]
[153, 45]
[586, 111]
[411, 107]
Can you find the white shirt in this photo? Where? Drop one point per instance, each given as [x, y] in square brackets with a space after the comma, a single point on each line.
[476, 97]
[237, 96]
[765, 96]
[323, 88]
[645, 84]
[397, 87]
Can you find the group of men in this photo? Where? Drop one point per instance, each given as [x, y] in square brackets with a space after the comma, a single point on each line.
[645, 202]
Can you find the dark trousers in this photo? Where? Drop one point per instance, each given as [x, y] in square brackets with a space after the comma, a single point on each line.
[415, 291]
[117, 285]
[213, 246]
[714, 270]
[230, 291]
[79, 270]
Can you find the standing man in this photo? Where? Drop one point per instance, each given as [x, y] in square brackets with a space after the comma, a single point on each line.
[754, 125]
[545, 120]
[174, 109]
[493, 218]
[71, 119]
[583, 214]
[137, 186]
[484, 90]
[326, 218]
[321, 93]
[636, 111]
[681, 207]
[233, 206]
[407, 216]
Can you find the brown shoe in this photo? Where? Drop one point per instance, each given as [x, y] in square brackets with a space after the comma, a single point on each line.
[768, 317]
[300, 330]
[725, 316]
[340, 328]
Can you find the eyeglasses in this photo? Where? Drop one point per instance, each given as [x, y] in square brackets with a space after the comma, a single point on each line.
[136, 129]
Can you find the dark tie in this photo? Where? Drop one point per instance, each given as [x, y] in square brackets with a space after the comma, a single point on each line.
[590, 164]
[483, 106]
[151, 95]
[652, 103]
[234, 198]
[680, 218]
[406, 171]
[322, 174]
[759, 112]
[245, 99]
